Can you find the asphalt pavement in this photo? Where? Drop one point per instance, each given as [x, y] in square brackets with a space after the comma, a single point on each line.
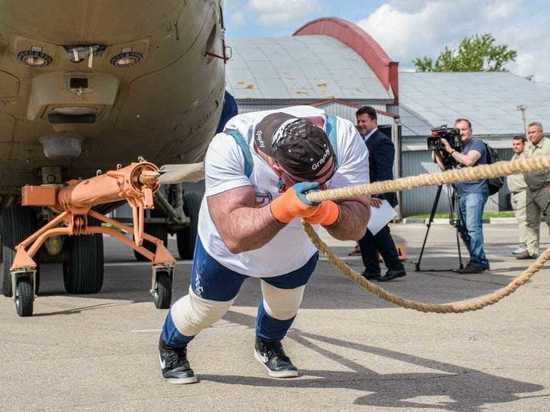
[354, 351]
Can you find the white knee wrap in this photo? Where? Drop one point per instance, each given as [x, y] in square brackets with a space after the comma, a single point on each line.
[191, 314]
[281, 304]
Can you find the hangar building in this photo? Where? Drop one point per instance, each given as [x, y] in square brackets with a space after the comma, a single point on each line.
[333, 64]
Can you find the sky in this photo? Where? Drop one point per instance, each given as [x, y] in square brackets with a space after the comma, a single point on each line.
[411, 28]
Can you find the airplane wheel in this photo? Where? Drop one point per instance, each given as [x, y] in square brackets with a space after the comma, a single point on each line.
[162, 295]
[16, 224]
[24, 297]
[156, 230]
[83, 264]
[188, 236]
[8, 254]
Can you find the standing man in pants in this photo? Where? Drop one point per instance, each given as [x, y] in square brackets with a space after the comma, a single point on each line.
[381, 159]
[472, 196]
[538, 190]
[518, 191]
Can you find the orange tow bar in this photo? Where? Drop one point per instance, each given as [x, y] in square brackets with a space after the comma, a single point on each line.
[73, 203]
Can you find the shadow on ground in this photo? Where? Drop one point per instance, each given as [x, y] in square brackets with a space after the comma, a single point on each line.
[129, 281]
[460, 389]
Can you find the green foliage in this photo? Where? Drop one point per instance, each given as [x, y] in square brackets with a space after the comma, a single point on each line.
[474, 54]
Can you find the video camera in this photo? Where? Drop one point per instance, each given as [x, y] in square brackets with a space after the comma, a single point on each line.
[452, 136]
[442, 132]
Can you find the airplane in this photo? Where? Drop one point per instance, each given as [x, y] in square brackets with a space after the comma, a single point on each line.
[89, 84]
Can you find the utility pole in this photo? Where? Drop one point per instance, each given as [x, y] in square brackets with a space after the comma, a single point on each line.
[522, 108]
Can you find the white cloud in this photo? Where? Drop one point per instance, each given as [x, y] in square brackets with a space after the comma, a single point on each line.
[412, 28]
[274, 12]
[237, 19]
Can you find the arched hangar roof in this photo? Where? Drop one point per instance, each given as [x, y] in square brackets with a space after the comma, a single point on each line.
[325, 59]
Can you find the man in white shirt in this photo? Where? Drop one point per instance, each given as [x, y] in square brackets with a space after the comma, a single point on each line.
[258, 172]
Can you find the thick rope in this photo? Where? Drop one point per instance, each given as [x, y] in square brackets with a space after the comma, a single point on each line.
[498, 169]
[452, 176]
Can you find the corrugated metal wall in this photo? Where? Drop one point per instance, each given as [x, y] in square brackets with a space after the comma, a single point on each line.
[413, 202]
[333, 108]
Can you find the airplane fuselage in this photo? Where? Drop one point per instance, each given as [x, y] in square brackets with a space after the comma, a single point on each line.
[88, 84]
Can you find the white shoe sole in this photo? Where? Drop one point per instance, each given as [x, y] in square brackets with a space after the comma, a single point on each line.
[280, 374]
[182, 381]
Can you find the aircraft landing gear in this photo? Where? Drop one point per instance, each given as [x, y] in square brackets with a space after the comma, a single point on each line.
[187, 236]
[83, 264]
[162, 286]
[16, 224]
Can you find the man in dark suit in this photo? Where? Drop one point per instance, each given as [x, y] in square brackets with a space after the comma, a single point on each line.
[381, 158]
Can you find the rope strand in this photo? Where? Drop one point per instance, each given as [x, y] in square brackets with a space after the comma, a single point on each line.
[498, 169]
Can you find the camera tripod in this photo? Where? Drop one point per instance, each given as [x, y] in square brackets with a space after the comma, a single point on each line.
[455, 219]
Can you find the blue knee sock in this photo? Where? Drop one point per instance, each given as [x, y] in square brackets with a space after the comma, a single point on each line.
[271, 329]
[171, 336]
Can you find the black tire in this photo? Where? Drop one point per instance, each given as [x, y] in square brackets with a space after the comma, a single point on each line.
[83, 264]
[156, 230]
[162, 296]
[187, 237]
[24, 297]
[16, 224]
[8, 254]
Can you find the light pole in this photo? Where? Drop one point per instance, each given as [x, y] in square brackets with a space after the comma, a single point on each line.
[522, 108]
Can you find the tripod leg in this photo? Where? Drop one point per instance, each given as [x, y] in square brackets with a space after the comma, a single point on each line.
[458, 227]
[430, 220]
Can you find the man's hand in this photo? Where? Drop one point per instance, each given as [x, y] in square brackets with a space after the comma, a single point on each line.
[326, 214]
[374, 202]
[446, 145]
[293, 203]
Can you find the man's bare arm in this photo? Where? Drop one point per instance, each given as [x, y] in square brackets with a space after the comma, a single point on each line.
[241, 224]
[353, 220]
[469, 159]
[436, 157]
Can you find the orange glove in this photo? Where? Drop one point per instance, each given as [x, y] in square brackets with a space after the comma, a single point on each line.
[326, 214]
[293, 203]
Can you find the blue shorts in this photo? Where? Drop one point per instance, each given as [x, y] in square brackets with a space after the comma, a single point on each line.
[213, 281]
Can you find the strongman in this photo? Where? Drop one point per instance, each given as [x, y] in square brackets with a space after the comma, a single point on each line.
[258, 171]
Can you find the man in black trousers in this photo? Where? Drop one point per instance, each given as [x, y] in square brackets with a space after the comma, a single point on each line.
[381, 158]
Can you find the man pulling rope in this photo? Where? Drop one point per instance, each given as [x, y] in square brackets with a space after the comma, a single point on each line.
[258, 173]
[248, 225]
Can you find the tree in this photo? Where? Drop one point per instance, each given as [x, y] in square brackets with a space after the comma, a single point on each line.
[474, 54]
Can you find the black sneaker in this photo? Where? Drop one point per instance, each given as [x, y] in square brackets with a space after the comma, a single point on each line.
[393, 274]
[174, 365]
[274, 359]
[371, 275]
[472, 268]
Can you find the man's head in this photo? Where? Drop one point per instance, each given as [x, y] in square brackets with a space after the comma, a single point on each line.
[296, 149]
[518, 144]
[465, 127]
[535, 132]
[367, 120]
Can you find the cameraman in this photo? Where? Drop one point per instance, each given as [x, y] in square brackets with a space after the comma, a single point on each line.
[472, 196]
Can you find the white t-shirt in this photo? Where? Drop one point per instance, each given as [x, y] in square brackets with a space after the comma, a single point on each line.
[290, 249]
